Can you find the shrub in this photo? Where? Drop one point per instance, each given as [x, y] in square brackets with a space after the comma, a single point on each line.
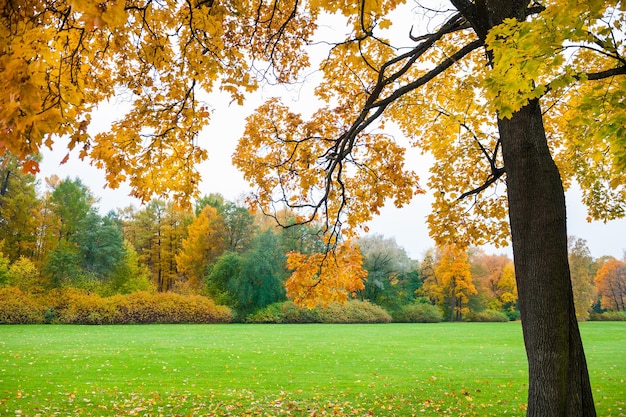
[419, 313]
[351, 312]
[486, 316]
[608, 316]
[72, 306]
[513, 315]
[144, 307]
[294, 314]
[17, 307]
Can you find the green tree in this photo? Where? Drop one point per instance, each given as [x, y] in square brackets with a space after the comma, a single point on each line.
[130, 275]
[238, 227]
[251, 280]
[220, 274]
[71, 201]
[100, 244]
[260, 281]
[392, 277]
[63, 265]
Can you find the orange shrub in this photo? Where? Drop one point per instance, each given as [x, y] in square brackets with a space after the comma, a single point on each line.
[72, 306]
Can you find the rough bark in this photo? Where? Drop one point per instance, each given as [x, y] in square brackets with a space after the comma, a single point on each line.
[558, 377]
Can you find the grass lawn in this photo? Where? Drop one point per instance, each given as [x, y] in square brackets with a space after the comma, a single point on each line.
[450, 369]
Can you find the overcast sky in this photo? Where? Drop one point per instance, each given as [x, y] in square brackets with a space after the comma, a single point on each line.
[406, 225]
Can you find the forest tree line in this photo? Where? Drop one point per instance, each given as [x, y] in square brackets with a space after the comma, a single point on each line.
[56, 238]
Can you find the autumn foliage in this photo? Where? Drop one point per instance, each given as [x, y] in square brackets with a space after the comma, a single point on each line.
[325, 277]
[611, 285]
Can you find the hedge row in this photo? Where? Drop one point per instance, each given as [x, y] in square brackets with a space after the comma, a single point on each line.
[608, 316]
[353, 311]
[486, 316]
[71, 306]
[418, 313]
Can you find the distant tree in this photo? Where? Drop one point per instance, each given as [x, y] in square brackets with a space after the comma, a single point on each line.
[611, 285]
[63, 265]
[390, 282]
[581, 265]
[303, 238]
[203, 245]
[160, 230]
[238, 228]
[24, 274]
[494, 276]
[100, 244]
[261, 278]
[226, 268]
[251, 280]
[454, 281]
[70, 201]
[215, 200]
[129, 275]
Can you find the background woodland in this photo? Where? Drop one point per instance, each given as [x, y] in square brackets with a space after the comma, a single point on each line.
[62, 261]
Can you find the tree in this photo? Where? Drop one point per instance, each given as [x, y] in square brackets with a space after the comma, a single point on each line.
[100, 244]
[71, 201]
[500, 97]
[159, 232]
[489, 71]
[25, 275]
[63, 265]
[495, 277]
[251, 280]
[582, 271]
[129, 275]
[203, 245]
[260, 281]
[611, 284]
[454, 280]
[390, 282]
[238, 227]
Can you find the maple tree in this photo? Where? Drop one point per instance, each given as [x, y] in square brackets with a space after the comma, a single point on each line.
[610, 283]
[506, 85]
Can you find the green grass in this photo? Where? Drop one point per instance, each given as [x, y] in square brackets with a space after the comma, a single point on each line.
[351, 370]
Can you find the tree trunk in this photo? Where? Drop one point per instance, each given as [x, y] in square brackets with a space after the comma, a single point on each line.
[558, 377]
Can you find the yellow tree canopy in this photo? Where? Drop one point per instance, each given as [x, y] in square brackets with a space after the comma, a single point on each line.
[60, 59]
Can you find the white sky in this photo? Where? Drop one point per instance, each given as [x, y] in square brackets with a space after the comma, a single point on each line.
[406, 225]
